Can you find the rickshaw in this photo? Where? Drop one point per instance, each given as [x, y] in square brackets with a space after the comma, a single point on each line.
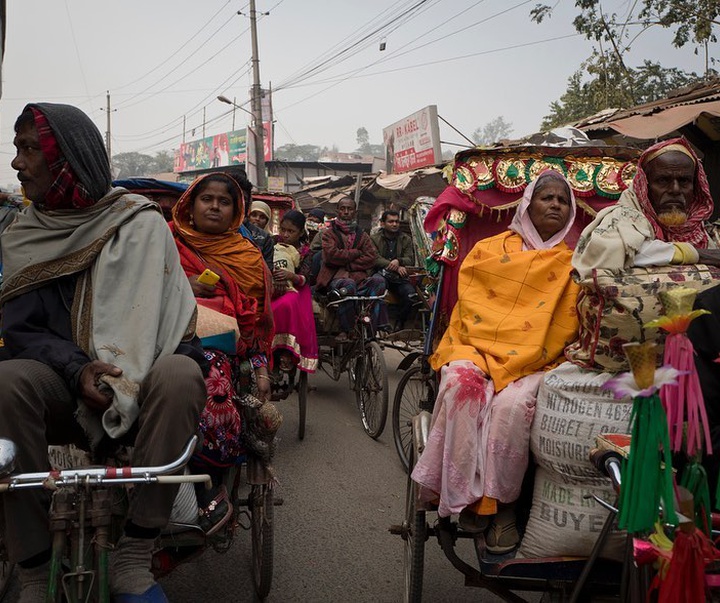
[361, 357]
[485, 186]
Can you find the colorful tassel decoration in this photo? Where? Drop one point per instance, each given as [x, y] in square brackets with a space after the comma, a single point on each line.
[647, 473]
[692, 551]
[695, 480]
[686, 400]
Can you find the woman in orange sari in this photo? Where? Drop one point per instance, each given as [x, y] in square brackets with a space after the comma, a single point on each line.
[205, 223]
[514, 316]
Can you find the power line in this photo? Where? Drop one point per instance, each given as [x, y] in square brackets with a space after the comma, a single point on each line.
[367, 38]
[436, 62]
[175, 53]
[128, 103]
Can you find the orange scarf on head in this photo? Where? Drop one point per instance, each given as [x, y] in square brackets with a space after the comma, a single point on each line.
[229, 251]
[515, 311]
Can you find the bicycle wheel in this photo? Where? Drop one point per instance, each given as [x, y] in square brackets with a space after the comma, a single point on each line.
[261, 525]
[371, 389]
[414, 535]
[414, 393]
[302, 387]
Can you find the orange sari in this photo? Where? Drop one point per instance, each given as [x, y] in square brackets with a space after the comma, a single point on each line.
[515, 312]
[228, 252]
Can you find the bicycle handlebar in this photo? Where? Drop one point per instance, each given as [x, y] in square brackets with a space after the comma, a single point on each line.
[608, 462]
[97, 476]
[356, 298]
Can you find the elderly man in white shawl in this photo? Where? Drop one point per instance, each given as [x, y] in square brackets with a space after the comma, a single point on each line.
[659, 220]
[99, 321]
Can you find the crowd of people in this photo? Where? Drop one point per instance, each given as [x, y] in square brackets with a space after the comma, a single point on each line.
[103, 302]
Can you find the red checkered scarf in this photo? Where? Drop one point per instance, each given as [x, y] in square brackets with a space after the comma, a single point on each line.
[66, 191]
[698, 211]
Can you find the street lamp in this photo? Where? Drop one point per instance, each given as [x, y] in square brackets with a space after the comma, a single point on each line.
[258, 135]
[227, 101]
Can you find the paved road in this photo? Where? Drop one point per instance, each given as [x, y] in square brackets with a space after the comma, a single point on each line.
[341, 490]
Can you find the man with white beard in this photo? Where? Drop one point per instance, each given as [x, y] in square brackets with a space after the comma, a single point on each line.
[659, 220]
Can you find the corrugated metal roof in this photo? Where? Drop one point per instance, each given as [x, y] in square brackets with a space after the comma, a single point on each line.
[702, 92]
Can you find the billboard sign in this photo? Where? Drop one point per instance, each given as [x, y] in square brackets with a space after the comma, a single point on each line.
[413, 142]
[220, 150]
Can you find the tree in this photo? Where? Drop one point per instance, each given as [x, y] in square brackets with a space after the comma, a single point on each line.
[605, 89]
[298, 152]
[363, 141]
[492, 131]
[610, 82]
[129, 165]
[691, 20]
[164, 161]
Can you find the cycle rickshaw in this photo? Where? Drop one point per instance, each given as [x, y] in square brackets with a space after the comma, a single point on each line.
[485, 188]
[361, 357]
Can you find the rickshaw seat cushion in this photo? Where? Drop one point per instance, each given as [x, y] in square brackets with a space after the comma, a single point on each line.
[614, 307]
[210, 322]
[224, 342]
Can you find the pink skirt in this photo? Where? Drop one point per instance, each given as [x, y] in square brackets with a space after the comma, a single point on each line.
[295, 328]
[479, 443]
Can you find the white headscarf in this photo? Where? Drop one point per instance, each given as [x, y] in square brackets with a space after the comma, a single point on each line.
[522, 224]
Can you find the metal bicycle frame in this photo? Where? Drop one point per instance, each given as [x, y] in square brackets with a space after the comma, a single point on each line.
[354, 347]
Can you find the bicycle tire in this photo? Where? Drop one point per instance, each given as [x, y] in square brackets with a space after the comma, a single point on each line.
[414, 535]
[262, 531]
[414, 393]
[302, 388]
[371, 390]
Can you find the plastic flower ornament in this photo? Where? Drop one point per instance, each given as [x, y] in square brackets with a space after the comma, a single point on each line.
[647, 473]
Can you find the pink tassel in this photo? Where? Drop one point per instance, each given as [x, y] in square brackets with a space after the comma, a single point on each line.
[686, 399]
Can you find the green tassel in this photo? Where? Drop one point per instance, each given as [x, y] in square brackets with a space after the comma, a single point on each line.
[695, 479]
[646, 484]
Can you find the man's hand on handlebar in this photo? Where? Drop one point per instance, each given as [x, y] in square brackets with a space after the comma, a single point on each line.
[201, 289]
[92, 391]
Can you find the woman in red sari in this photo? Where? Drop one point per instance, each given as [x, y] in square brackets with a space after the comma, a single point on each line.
[205, 223]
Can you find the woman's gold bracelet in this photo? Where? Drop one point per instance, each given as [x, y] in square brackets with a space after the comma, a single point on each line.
[262, 377]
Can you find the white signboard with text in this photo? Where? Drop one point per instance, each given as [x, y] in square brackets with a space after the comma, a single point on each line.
[413, 142]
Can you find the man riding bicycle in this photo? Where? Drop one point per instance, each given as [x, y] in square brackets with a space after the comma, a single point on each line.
[99, 322]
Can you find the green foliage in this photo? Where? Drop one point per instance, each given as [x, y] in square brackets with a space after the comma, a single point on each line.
[298, 152]
[692, 21]
[601, 84]
[492, 131]
[133, 165]
[604, 79]
[363, 141]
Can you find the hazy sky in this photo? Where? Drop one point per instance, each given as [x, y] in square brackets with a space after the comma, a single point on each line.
[165, 59]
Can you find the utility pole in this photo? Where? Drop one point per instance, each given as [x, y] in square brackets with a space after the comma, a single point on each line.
[257, 104]
[108, 135]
